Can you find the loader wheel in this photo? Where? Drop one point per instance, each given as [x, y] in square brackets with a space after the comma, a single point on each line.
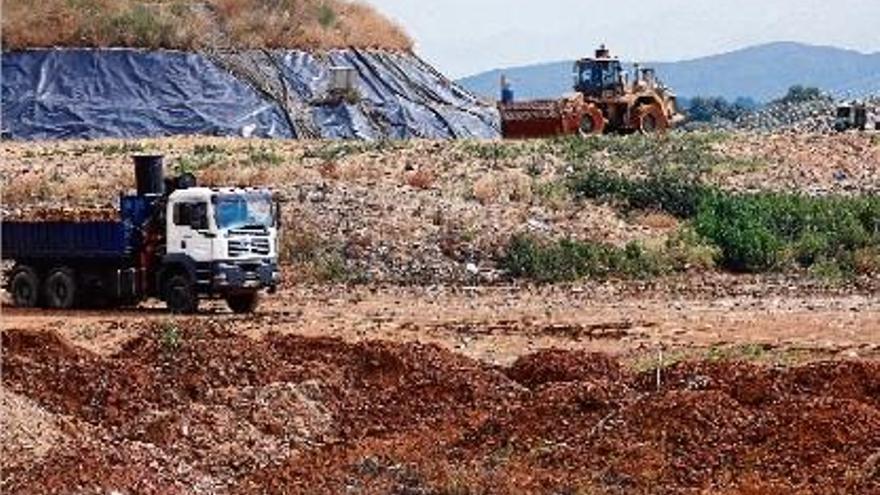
[243, 303]
[60, 289]
[180, 295]
[25, 287]
[592, 123]
[649, 119]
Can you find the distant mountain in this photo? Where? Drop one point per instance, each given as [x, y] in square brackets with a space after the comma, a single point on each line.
[762, 72]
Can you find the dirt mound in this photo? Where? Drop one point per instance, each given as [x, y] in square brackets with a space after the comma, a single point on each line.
[191, 407]
[750, 385]
[552, 366]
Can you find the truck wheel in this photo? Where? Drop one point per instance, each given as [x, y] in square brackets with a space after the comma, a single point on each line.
[60, 289]
[25, 287]
[649, 119]
[243, 303]
[180, 295]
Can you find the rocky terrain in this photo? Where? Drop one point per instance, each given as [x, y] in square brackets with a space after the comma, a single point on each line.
[428, 212]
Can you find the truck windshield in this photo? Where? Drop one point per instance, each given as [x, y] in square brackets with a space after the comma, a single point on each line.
[237, 211]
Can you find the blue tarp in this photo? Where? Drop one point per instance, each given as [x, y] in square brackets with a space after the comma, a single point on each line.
[127, 93]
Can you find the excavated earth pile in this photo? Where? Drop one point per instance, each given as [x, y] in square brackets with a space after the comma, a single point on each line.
[196, 408]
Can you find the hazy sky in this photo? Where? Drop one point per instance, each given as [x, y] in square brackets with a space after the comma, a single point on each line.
[462, 37]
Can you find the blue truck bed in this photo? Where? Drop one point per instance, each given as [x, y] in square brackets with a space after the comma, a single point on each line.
[89, 240]
[105, 240]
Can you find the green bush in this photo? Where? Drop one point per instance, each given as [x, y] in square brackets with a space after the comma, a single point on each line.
[687, 250]
[758, 232]
[674, 192]
[751, 232]
[264, 156]
[569, 260]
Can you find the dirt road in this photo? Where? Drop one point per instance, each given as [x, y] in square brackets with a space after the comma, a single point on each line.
[497, 325]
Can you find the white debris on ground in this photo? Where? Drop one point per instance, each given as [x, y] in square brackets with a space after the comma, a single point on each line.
[27, 431]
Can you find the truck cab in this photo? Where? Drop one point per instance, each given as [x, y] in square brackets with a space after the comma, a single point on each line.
[224, 241]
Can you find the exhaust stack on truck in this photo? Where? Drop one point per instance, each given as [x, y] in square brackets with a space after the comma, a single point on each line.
[171, 241]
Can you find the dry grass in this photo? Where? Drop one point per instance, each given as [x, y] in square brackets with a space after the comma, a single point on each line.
[191, 25]
[506, 186]
[422, 178]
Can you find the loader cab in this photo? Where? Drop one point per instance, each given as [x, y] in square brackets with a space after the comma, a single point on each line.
[594, 76]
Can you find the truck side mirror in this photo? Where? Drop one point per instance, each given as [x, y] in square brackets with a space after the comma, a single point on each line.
[277, 214]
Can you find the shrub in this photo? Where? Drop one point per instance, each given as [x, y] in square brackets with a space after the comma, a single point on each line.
[676, 193]
[569, 260]
[828, 270]
[866, 261]
[752, 232]
[687, 250]
[508, 185]
[757, 232]
[171, 337]
[326, 16]
[801, 94]
[422, 178]
[707, 109]
[264, 156]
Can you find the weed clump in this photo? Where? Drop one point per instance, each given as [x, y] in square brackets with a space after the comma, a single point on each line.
[171, 338]
[569, 260]
[674, 192]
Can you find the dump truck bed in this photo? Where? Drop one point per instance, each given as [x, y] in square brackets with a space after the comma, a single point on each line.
[67, 240]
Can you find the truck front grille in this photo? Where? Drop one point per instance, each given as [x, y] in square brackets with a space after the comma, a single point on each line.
[246, 247]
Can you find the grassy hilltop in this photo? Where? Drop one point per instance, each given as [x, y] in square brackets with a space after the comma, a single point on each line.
[191, 25]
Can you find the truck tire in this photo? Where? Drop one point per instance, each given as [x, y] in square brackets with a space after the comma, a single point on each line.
[649, 119]
[243, 303]
[180, 295]
[60, 289]
[24, 286]
[592, 122]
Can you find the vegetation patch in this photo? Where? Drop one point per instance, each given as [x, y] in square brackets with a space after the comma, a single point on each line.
[771, 231]
[676, 192]
[570, 259]
[753, 232]
[196, 24]
[690, 151]
[201, 157]
[264, 155]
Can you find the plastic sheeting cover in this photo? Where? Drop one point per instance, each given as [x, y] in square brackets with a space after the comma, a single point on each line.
[97, 93]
